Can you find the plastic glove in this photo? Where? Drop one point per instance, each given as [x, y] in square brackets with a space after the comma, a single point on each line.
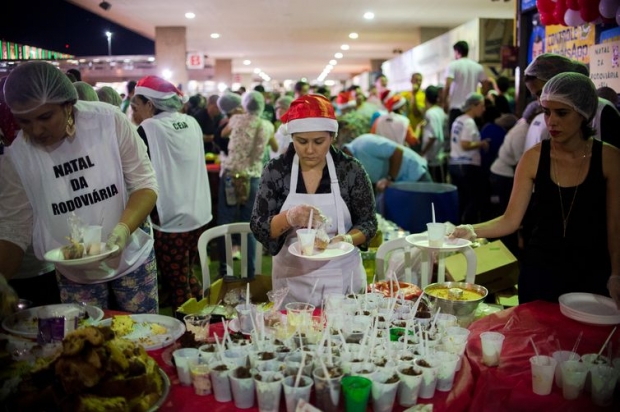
[613, 285]
[382, 184]
[342, 238]
[464, 232]
[8, 298]
[119, 237]
[298, 216]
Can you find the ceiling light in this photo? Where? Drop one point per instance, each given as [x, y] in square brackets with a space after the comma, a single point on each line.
[329, 82]
[257, 70]
[105, 5]
[344, 47]
[369, 15]
[333, 62]
[221, 87]
[151, 59]
[247, 62]
[215, 35]
[329, 66]
[353, 35]
[190, 15]
[166, 74]
[338, 55]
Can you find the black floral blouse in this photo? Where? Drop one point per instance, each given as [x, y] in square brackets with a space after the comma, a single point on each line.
[355, 188]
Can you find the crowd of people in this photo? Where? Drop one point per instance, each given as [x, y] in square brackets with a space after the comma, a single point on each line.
[550, 174]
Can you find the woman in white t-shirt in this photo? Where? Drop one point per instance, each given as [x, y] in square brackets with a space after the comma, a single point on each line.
[465, 170]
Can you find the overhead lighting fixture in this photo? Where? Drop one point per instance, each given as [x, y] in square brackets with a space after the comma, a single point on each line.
[257, 70]
[190, 15]
[166, 74]
[333, 62]
[215, 35]
[369, 15]
[344, 47]
[339, 55]
[151, 59]
[247, 62]
[353, 35]
[105, 5]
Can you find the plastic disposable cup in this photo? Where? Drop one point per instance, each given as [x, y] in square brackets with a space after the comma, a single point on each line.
[208, 353]
[198, 325]
[244, 316]
[55, 322]
[364, 369]
[562, 356]
[409, 386]
[200, 378]
[182, 359]
[306, 241]
[446, 320]
[242, 386]
[235, 356]
[293, 394]
[436, 234]
[573, 378]
[299, 314]
[429, 365]
[92, 240]
[327, 390]
[268, 390]
[543, 369]
[220, 382]
[491, 347]
[447, 370]
[356, 391]
[590, 360]
[604, 379]
[383, 391]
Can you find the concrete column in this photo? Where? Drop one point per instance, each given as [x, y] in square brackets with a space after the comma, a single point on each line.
[170, 54]
[223, 72]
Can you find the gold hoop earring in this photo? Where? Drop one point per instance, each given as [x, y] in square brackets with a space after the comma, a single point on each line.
[70, 126]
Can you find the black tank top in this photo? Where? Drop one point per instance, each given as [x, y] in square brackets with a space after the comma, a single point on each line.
[580, 261]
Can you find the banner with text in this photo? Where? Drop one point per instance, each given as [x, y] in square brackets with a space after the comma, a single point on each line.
[572, 42]
[605, 65]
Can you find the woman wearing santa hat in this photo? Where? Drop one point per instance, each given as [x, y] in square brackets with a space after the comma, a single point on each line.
[183, 209]
[76, 161]
[314, 176]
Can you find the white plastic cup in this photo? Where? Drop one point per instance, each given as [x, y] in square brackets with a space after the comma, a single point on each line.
[242, 390]
[604, 379]
[198, 325]
[543, 370]
[383, 394]
[327, 390]
[573, 378]
[562, 356]
[429, 365]
[492, 343]
[447, 370]
[306, 241]
[200, 378]
[268, 390]
[182, 359]
[220, 382]
[92, 240]
[436, 234]
[299, 315]
[244, 316]
[293, 394]
[590, 360]
[409, 386]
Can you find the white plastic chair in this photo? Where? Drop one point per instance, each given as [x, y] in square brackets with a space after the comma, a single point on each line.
[227, 231]
[385, 249]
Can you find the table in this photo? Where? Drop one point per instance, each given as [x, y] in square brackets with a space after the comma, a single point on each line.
[509, 386]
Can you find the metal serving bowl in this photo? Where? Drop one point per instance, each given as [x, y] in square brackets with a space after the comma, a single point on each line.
[462, 309]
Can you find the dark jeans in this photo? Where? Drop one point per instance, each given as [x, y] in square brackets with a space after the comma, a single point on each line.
[473, 195]
[501, 186]
[237, 213]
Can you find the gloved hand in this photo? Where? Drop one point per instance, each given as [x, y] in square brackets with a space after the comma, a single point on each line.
[8, 298]
[342, 238]
[298, 216]
[119, 236]
[613, 285]
[382, 184]
[464, 232]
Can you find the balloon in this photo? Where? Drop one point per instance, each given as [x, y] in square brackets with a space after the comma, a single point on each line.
[573, 18]
[547, 19]
[546, 6]
[589, 10]
[608, 8]
[572, 4]
[559, 12]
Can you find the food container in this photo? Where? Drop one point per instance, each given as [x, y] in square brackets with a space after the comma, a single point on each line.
[458, 300]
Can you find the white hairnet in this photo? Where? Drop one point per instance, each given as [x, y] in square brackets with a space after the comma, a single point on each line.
[34, 84]
[228, 102]
[253, 102]
[547, 65]
[574, 90]
[472, 100]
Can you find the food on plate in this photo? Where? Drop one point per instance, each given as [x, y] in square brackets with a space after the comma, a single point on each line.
[74, 250]
[122, 325]
[454, 293]
[320, 244]
[94, 371]
[390, 288]
[158, 329]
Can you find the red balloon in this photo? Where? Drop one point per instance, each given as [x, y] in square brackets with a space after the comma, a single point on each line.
[573, 4]
[545, 6]
[560, 11]
[548, 19]
[589, 10]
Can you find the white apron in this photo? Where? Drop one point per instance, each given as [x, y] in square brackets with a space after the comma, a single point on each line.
[299, 274]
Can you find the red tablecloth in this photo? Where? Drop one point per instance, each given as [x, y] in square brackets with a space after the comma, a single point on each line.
[509, 386]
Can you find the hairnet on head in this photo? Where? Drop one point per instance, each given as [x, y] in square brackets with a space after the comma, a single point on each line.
[254, 102]
[34, 84]
[531, 109]
[163, 94]
[547, 65]
[472, 100]
[86, 92]
[228, 102]
[109, 95]
[574, 90]
[284, 102]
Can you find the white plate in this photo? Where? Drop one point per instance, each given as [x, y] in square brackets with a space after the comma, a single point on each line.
[589, 308]
[142, 334]
[56, 256]
[26, 322]
[448, 244]
[333, 251]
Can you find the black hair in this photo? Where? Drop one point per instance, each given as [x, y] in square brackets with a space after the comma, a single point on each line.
[503, 83]
[432, 94]
[76, 73]
[462, 47]
[300, 85]
[145, 101]
[131, 86]
[259, 88]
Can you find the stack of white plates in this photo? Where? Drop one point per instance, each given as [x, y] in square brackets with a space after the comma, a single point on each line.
[589, 308]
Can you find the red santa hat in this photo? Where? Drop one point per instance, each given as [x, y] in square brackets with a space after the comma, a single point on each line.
[310, 113]
[345, 100]
[394, 102]
[157, 88]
